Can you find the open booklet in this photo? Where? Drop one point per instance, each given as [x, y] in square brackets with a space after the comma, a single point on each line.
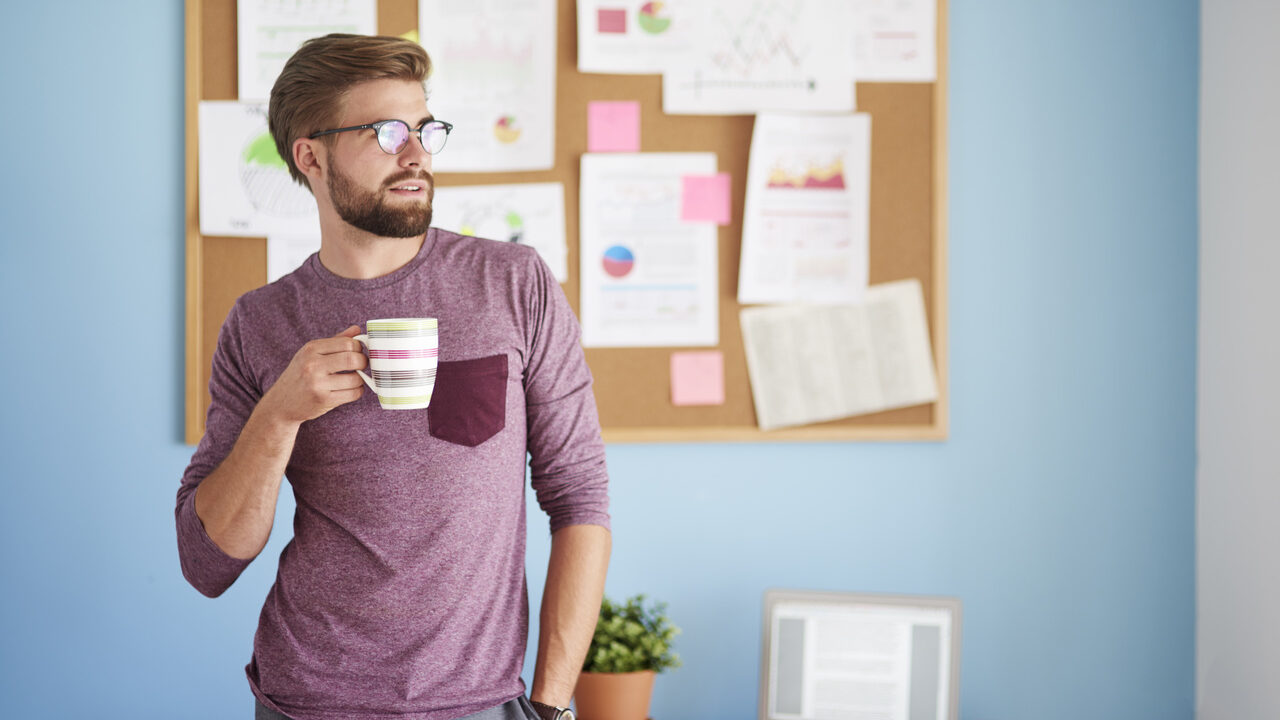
[812, 363]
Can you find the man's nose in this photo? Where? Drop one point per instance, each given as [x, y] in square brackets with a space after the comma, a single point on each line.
[414, 155]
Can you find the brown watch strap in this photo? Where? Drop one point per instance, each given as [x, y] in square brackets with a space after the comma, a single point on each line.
[545, 711]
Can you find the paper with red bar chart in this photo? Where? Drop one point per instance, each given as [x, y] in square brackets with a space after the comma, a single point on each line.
[631, 37]
[494, 77]
[805, 231]
[763, 55]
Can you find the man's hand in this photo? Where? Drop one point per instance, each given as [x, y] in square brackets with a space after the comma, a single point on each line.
[318, 379]
[237, 502]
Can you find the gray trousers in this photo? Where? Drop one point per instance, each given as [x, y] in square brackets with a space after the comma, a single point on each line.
[518, 709]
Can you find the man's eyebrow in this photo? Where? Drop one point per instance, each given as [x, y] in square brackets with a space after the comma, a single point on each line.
[426, 120]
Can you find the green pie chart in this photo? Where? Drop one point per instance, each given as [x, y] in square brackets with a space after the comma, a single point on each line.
[262, 151]
[266, 182]
[649, 20]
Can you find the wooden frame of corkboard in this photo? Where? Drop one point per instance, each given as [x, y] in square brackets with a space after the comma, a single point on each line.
[908, 232]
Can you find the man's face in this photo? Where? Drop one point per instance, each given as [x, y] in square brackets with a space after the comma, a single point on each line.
[385, 195]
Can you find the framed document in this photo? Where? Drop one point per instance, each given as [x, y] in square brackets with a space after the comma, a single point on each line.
[859, 656]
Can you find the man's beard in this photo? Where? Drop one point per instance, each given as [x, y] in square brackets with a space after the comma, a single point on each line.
[371, 212]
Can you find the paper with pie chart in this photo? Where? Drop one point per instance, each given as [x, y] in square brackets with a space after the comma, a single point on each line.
[528, 213]
[648, 278]
[493, 77]
[630, 37]
[760, 56]
[245, 186]
[805, 229]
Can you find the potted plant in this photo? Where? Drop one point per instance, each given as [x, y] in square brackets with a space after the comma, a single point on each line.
[631, 645]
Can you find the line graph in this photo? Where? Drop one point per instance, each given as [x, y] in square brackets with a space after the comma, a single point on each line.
[759, 37]
[755, 55]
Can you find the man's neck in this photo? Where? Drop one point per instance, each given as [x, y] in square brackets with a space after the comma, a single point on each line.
[351, 253]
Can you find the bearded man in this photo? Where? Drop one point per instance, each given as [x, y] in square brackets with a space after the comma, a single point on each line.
[402, 594]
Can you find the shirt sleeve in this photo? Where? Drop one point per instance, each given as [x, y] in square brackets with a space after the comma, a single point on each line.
[566, 452]
[233, 395]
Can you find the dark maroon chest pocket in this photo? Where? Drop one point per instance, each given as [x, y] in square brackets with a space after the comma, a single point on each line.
[469, 402]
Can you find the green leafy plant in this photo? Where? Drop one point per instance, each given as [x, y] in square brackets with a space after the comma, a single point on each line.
[631, 637]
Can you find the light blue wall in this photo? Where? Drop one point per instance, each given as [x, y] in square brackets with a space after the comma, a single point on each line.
[1060, 510]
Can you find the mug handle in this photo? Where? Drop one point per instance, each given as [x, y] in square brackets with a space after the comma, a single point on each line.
[363, 339]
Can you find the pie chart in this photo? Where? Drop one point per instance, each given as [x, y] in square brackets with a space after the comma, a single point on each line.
[618, 261]
[506, 130]
[266, 181]
[650, 21]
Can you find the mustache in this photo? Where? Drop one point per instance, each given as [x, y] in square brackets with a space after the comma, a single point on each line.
[426, 177]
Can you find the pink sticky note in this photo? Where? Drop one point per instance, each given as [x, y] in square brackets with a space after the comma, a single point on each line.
[613, 126]
[706, 199]
[611, 20]
[697, 378]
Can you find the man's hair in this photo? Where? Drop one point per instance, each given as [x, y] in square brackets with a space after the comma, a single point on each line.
[310, 89]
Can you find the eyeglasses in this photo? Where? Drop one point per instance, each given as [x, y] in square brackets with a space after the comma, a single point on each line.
[393, 135]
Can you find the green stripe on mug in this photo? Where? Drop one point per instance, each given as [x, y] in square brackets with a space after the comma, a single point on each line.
[429, 324]
[411, 400]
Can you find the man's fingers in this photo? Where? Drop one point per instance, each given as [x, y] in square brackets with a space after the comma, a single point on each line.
[345, 381]
[344, 361]
[342, 397]
[342, 342]
[335, 344]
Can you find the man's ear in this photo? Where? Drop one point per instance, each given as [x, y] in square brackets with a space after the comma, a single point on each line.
[307, 156]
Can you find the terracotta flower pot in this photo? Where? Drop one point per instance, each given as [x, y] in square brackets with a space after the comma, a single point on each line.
[614, 696]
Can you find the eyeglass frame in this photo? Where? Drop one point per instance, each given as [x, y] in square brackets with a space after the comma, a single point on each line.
[376, 127]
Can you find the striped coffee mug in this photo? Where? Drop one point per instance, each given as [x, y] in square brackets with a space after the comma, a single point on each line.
[403, 355]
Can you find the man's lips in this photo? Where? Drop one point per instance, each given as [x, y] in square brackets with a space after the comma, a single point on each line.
[409, 186]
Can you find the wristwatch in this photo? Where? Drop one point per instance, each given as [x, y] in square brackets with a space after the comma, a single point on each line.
[551, 712]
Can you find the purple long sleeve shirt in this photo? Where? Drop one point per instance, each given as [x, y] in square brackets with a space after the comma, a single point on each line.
[402, 593]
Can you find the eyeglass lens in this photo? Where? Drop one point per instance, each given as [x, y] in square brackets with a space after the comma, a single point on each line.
[393, 135]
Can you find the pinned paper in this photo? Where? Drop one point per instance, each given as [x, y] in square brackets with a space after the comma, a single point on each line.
[811, 363]
[706, 199]
[286, 251]
[613, 126]
[697, 378]
[647, 278]
[493, 73]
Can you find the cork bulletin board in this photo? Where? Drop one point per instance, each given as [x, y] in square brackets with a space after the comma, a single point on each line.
[632, 385]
